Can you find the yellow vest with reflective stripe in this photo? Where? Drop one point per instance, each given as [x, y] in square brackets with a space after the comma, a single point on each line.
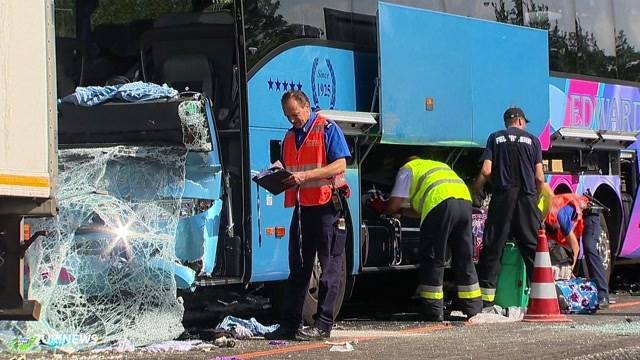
[432, 183]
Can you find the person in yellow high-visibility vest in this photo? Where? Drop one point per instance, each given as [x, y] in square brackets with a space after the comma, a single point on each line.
[442, 202]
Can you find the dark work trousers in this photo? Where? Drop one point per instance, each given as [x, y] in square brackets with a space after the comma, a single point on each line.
[590, 237]
[512, 214]
[320, 236]
[448, 223]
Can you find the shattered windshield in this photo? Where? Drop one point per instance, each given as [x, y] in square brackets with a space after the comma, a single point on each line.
[106, 267]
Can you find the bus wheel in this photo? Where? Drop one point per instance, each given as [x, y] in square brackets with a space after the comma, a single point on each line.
[604, 248]
[311, 299]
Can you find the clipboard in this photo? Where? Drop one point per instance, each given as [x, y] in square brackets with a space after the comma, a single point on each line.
[272, 180]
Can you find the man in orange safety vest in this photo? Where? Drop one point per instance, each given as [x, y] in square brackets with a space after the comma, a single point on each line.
[563, 219]
[315, 151]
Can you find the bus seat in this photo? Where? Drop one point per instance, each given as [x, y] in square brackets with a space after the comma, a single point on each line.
[174, 36]
[192, 72]
[112, 49]
[120, 39]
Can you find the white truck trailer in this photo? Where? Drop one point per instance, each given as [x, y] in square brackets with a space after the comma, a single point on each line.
[28, 161]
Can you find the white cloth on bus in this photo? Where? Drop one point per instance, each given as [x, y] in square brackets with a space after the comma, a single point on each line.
[130, 92]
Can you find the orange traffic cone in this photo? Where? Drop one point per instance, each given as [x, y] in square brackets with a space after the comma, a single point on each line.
[543, 302]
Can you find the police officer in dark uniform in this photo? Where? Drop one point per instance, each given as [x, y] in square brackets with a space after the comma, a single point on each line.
[512, 162]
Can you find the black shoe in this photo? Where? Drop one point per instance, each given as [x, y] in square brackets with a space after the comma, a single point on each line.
[312, 333]
[430, 312]
[563, 303]
[603, 303]
[487, 304]
[469, 315]
[281, 333]
[432, 317]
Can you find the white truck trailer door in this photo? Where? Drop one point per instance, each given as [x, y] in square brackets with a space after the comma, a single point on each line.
[27, 100]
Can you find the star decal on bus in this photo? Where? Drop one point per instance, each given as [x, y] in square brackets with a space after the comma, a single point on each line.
[286, 85]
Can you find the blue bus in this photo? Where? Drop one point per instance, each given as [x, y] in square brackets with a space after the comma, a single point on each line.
[401, 78]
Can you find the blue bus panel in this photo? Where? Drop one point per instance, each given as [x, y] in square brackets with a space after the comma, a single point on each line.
[447, 79]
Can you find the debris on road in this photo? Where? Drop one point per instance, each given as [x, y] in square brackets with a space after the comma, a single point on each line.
[118, 346]
[497, 314]
[278, 342]
[66, 350]
[342, 348]
[345, 346]
[244, 329]
[126, 346]
[621, 328]
[225, 342]
[171, 346]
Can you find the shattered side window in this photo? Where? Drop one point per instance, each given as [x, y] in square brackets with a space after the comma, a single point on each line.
[107, 267]
[195, 128]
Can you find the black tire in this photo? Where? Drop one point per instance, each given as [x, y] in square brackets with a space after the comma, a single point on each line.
[604, 248]
[311, 299]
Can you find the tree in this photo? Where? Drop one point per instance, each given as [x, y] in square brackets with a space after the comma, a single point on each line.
[569, 51]
[126, 11]
[592, 59]
[562, 44]
[266, 28]
[65, 18]
[628, 59]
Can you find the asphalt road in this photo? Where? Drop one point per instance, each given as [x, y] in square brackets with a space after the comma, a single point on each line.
[612, 333]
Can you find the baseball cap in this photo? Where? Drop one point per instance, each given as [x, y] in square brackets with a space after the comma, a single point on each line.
[514, 112]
